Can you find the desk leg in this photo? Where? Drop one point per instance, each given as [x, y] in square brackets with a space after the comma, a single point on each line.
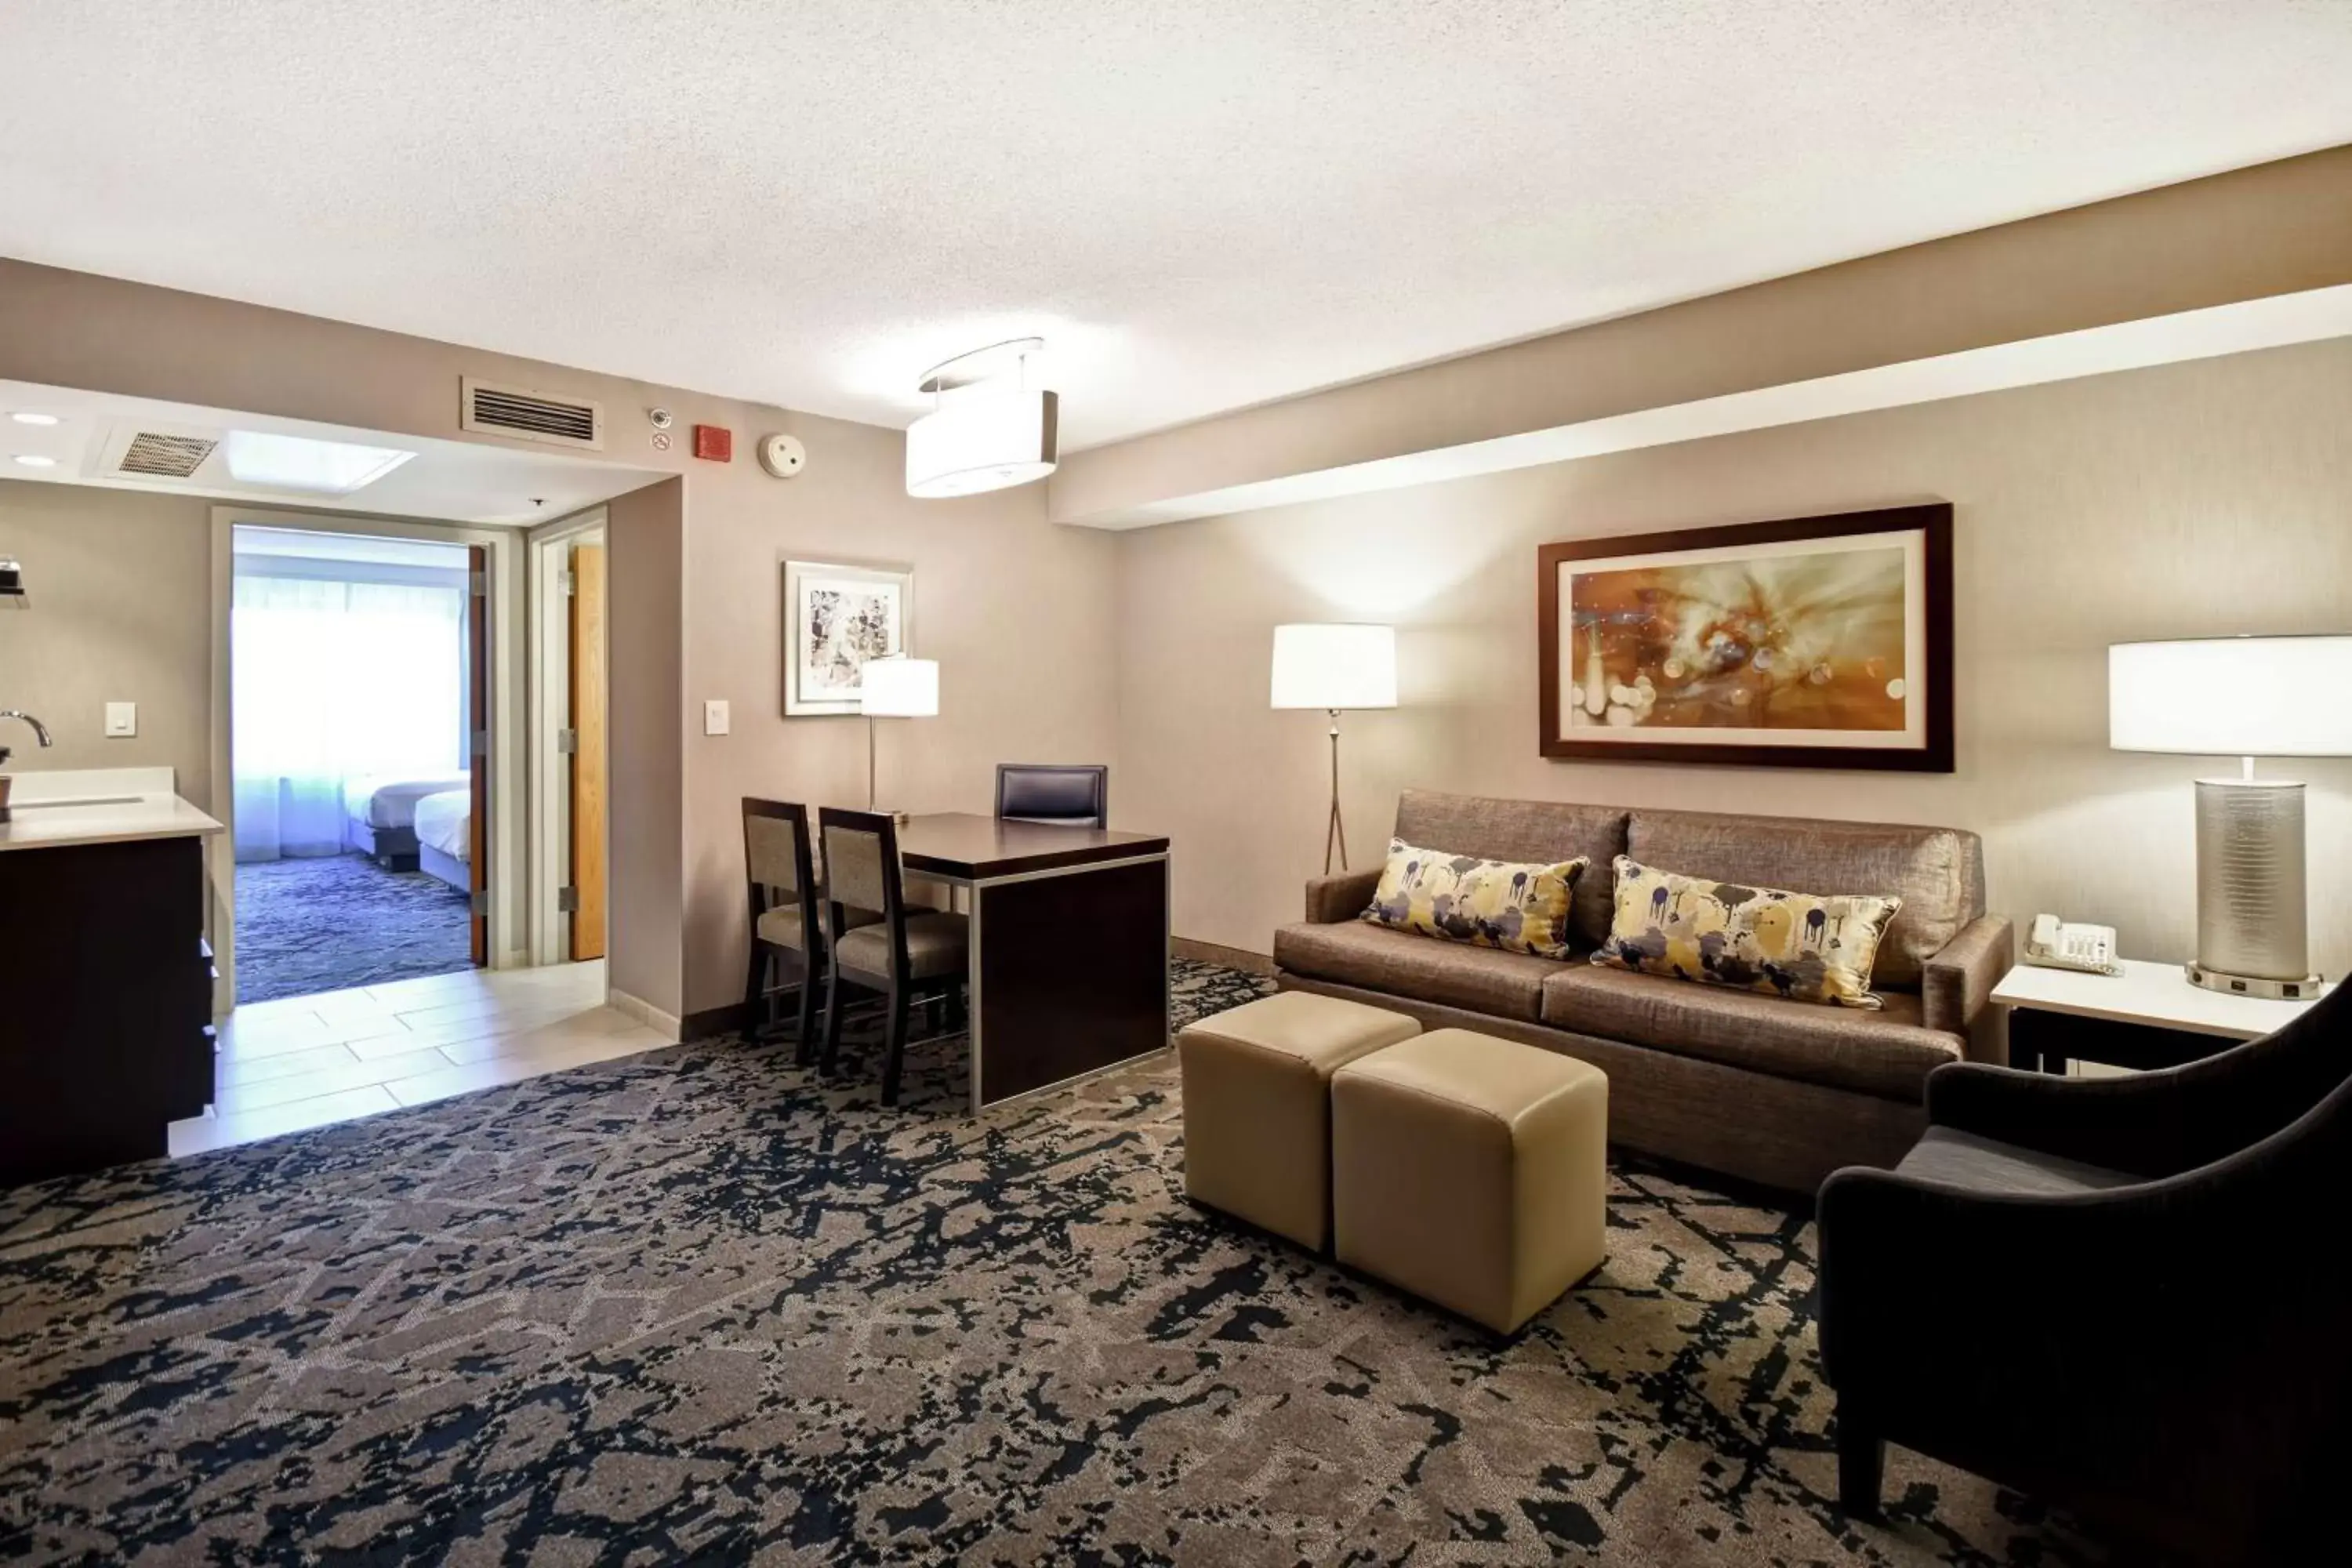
[1069, 974]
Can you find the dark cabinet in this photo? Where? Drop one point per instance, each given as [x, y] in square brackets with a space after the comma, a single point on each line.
[105, 1003]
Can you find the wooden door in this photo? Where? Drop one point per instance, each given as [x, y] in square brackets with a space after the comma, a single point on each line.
[589, 751]
[478, 718]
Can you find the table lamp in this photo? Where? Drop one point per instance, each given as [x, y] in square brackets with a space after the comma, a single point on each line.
[2245, 697]
[895, 688]
[1335, 667]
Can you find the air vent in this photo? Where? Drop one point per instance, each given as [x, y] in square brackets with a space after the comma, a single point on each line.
[154, 456]
[529, 415]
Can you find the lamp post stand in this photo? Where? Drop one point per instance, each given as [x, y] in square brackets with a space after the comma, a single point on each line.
[1336, 836]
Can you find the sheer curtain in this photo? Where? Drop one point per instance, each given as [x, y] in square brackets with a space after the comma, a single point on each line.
[334, 681]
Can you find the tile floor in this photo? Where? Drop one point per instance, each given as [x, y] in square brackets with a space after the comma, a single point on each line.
[305, 1062]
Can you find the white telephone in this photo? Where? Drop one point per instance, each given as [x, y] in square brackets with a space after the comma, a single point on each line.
[2055, 945]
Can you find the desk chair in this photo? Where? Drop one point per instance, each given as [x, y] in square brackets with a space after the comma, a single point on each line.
[1075, 795]
[788, 927]
[907, 955]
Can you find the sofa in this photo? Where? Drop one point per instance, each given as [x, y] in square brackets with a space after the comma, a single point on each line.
[1752, 1086]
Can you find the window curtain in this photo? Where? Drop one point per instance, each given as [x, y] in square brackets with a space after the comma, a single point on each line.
[335, 682]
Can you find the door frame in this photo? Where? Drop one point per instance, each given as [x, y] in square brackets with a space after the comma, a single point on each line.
[550, 681]
[504, 608]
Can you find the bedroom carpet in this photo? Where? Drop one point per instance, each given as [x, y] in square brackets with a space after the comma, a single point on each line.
[329, 922]
[704, 1306]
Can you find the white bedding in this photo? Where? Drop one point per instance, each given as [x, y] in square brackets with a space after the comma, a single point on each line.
[444, 822]
[385, 802]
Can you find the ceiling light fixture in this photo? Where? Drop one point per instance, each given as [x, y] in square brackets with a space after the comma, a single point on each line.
[35, 460]
[989, 428]
[27, 416]
[300, 463]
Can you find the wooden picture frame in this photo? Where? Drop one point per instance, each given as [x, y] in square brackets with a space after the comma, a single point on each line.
[820, 658]
[1675, 637]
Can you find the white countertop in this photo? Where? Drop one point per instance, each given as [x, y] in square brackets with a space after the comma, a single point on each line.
[62, 808]
[2145, 993]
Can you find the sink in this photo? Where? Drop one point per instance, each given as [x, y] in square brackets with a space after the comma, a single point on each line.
[77, 800]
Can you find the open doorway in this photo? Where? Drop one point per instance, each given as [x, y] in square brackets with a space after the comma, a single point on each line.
[358, 694]
[570, 750]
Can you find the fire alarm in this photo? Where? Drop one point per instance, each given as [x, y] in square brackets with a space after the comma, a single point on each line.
[782, 456]
[715, 442]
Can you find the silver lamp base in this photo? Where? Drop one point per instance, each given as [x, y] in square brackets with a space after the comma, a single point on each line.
[2251, 934]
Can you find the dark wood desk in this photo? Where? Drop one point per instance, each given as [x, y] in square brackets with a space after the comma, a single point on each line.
[1069, 944]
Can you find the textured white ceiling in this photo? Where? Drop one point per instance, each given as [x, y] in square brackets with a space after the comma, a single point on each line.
[1202, 204]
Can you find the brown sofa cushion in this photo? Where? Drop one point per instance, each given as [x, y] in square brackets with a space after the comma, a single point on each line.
[1507, 984]
[1546, 830]
[1887, 1053]
[1937, 872]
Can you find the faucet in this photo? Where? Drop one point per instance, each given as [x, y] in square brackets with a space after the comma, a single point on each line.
[39, 729]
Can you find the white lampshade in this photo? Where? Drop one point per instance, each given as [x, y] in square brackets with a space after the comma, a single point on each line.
[1334, 666]
[899, 689]
[984, 439]
[2238, 697]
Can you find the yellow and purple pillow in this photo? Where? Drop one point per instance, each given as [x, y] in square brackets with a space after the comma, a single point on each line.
[1808, 947]
[1515, 906]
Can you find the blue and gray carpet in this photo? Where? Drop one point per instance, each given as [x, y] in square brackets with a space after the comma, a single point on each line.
[331, 921]
[703, 1307]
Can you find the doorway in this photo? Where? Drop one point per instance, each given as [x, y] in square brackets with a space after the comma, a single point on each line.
[570, 753]
[358, 701]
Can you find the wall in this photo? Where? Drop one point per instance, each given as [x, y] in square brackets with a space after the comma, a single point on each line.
[1018, 612]
[119, 610]
[2199, 499]
[644, 534]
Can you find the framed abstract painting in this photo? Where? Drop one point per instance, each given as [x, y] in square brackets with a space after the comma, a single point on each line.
[837, 616]
[1820, 642]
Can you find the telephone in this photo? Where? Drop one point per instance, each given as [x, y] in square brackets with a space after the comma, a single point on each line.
[2055, 945]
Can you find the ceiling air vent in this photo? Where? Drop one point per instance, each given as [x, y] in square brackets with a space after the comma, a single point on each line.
[154, 456]
[529, 415]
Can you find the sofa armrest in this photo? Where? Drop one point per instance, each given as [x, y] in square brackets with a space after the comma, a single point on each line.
[1330, 900]
[1957, 985]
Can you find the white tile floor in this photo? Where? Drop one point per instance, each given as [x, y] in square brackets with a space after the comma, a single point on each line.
[306, 1061]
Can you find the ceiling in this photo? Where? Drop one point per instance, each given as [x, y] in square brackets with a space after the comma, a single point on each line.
[452, 481]
[1201, 203]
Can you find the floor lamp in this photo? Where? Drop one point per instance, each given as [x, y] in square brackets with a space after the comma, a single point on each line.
[1335, 667]
[2245, 698]
[895, 688]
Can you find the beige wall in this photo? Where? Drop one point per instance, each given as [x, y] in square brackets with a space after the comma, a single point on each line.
[643, 536]
[2207, 497]
[120, 611]
[1017, 611]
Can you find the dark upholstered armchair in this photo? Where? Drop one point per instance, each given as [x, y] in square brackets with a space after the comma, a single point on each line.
[2127, 1296]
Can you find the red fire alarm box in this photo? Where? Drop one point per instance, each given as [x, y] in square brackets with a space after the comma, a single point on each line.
[715, 442]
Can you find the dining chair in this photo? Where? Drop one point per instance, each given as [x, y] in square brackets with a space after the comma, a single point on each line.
[1066, 796]
[906, 954]
[788, 928]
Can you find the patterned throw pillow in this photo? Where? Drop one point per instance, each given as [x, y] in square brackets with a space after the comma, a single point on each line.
[1487, 904]
[1803, 946]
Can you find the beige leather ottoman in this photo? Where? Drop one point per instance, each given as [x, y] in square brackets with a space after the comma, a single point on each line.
[1472, 1172]
[1258, 1105]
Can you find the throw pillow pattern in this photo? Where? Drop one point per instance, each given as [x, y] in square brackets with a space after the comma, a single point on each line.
[1804, 946]
[1519, 908]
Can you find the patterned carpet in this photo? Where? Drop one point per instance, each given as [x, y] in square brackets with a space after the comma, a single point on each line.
[701, 1307]
[329, 922]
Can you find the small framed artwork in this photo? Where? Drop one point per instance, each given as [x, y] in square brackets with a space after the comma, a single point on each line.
[1819, 642]
[837, 616]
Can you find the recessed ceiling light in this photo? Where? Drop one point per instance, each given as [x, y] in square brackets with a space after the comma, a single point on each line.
[300, 463]
[26, 416]
[35, 460]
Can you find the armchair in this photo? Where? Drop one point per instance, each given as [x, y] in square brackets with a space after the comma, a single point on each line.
[2121, 1295]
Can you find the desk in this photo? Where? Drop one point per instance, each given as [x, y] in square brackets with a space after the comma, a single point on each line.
[1069, 944]
[2148, 1016]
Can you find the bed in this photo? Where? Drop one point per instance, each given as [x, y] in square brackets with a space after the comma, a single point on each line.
[379, 815]
[444, 825]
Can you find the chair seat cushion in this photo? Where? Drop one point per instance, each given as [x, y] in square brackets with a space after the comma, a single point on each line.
[1356, 953]
[1888, 1053]
[1960, 1159]
[935, 946]
[781, 926]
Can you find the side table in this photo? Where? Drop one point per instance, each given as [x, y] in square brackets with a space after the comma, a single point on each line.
[2148, 1016]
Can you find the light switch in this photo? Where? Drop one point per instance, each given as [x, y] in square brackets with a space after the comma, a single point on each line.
[714, 716]
[122, 720]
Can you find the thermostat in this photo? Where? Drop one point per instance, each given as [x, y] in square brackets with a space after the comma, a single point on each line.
[782, 456]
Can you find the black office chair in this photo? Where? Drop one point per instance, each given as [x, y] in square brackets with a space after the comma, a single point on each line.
[1075, 795]
[909, 954]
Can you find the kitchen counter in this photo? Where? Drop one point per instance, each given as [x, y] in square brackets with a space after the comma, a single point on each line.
[98, 806]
